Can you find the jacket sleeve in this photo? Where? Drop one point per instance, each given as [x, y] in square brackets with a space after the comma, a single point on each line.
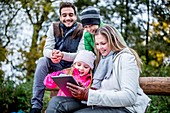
[69, 56]
[49, 82]
[50, 42]
[89, 42]
[127, 94]
[81, 43]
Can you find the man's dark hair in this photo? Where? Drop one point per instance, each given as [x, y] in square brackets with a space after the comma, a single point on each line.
[67, 4]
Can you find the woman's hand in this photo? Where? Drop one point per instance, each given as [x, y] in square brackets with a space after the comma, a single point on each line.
[78, 92]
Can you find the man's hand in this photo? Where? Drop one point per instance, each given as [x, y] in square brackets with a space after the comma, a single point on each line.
[78, 92]
[56, 56]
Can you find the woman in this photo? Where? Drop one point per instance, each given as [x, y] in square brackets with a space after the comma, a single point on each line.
[115, 87]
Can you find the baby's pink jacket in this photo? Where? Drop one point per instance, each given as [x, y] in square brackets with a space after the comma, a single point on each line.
[84, 80]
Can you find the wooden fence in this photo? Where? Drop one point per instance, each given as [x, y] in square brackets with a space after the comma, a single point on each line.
[150, 85]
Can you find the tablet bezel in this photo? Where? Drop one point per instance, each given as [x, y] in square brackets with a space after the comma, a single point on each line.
[61, 82]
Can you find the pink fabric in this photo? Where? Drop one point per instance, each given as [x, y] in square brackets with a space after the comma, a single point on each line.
[84, 80]
[48, 81]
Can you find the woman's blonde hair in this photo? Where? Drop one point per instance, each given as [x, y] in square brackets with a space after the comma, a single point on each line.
[116, 42]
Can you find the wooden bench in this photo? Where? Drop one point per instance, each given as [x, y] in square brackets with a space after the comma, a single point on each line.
[150, 85]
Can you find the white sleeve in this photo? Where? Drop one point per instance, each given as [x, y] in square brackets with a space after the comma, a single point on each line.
[69, 56]
[81, 43]
[50, 42]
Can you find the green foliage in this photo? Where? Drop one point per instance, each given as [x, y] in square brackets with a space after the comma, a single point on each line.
[149, 71]
[18, 97]
[15, 97]
[81, 4]
[159, 104]
[46, 99]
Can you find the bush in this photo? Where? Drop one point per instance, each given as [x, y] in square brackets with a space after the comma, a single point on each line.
[46, 99]
[15, 97]
[159, 104]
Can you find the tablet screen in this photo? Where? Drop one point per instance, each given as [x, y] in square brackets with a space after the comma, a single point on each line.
[61, 82]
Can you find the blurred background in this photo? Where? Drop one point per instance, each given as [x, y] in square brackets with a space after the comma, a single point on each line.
[144, 24]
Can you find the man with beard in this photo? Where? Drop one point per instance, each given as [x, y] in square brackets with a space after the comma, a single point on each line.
[63, 36]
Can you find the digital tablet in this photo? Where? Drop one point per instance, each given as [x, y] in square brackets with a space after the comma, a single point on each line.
[61, 82]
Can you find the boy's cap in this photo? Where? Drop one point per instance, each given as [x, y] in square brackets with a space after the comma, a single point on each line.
[86, 56]
[90, 16]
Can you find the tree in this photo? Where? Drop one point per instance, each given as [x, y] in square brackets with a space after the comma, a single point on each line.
[35, 13]
[2, 58]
